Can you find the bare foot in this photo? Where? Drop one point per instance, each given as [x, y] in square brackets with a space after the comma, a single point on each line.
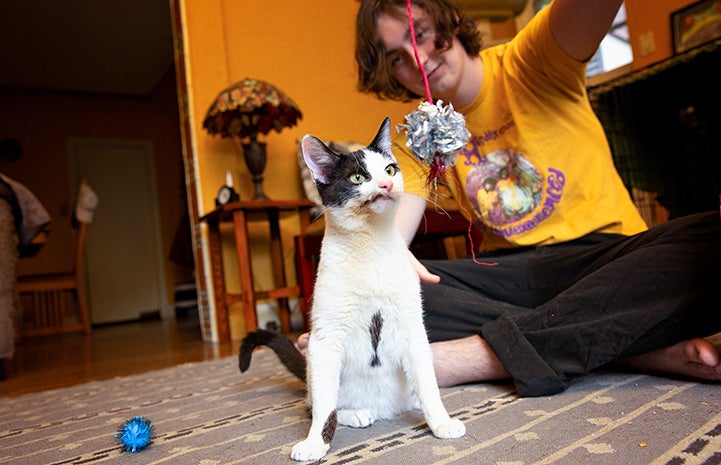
[466, 360]
[695, 358]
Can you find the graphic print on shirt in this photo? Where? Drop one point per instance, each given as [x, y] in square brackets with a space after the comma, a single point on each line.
[506, 189]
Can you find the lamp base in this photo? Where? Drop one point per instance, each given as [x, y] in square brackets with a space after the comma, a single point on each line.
[254, 153]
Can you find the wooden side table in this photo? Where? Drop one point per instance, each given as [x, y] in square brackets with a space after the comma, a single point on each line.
[240, 214]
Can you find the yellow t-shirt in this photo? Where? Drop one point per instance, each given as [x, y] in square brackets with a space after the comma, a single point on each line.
[537, 169]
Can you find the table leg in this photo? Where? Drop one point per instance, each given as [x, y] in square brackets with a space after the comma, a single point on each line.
[276, 253]
[245, 269]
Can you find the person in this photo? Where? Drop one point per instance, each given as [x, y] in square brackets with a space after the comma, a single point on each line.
[578, 281]
[24, 226]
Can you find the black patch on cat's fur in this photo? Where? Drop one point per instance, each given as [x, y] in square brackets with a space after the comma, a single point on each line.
[329, 427]
[375, 330]
[339, 189]
[281, 345]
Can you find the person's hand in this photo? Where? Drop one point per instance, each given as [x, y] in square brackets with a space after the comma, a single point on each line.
[302, 343]
[423, 273]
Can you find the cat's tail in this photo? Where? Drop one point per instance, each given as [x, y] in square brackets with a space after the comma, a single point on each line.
[286, 351]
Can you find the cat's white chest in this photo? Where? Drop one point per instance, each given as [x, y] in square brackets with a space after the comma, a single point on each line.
[377, 266]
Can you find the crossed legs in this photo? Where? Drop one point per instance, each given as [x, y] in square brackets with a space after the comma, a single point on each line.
[471, 359]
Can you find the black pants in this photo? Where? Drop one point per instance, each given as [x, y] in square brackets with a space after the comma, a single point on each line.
[551, 313]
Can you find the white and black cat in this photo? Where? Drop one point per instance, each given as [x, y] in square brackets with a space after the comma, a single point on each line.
[368, 355]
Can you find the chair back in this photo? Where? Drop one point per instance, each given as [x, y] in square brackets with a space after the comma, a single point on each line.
[50, 299]
[79, 250]
[85, 205]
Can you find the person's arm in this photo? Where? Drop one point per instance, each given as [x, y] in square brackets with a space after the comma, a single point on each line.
[408, 218]
[580, 25]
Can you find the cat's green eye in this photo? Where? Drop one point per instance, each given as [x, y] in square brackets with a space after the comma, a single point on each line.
[391, 170]
[357, 178]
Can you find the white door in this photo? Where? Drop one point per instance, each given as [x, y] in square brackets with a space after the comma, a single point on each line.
[124, 263]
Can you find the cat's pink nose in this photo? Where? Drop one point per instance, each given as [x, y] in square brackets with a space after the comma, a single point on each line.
[386, 185]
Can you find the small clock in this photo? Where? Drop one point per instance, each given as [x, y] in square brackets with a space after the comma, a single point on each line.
[226, 194]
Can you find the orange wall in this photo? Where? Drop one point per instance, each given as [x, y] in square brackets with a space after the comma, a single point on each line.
[651, 15]
[305, 49]
[44, 121]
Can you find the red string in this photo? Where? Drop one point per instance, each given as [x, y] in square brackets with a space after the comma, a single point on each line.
[417, 55]
[441, 169]
[470, 226]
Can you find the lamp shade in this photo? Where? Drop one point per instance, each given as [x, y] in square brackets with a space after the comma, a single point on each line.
[249, 107]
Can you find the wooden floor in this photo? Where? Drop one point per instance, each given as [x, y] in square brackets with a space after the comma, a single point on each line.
[50, 362]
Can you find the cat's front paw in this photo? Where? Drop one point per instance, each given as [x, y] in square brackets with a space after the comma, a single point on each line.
[450, 429]
[309, 450]
[361, 418]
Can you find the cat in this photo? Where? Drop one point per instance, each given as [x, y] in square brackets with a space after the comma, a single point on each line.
[368, 356]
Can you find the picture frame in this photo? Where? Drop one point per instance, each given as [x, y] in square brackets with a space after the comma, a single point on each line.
[695, 25]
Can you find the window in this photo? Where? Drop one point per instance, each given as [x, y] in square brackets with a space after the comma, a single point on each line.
[615, 49]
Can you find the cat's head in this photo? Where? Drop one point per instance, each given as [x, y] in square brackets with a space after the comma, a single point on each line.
[364, 180]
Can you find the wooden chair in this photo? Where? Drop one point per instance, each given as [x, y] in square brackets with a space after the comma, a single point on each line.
[56, 303]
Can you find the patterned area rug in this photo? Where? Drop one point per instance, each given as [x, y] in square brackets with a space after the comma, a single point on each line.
[209, 414]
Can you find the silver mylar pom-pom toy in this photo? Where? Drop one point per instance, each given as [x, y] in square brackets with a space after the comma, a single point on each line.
[434, 134]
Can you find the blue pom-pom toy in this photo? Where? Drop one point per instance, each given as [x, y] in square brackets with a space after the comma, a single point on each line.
[135, 434]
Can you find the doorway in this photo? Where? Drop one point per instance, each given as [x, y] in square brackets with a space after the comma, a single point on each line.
[124, 262]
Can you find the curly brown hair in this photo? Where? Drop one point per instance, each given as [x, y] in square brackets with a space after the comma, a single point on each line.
[373, 73]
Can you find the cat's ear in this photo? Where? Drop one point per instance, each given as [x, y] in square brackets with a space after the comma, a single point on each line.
[320, 159]
[382, 141]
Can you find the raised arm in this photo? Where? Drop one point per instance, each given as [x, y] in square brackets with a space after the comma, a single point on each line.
[580, 25]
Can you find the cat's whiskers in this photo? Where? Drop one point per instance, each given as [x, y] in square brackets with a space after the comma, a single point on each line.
[322, 212]
[435, 197]
[434, 194]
